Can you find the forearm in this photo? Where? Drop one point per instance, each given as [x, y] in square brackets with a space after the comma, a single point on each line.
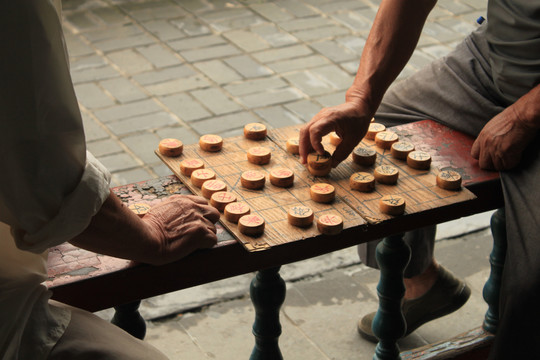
[170, 230]
[117, 231]
[390, 44]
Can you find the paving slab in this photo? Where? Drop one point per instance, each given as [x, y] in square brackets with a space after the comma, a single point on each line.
[218, 71]
[277, 116]
[185, 107]
[159, 55]
[123, 90]
[92, 96]
[247, 67]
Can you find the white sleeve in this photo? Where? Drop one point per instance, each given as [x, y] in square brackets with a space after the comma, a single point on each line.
[49, 187]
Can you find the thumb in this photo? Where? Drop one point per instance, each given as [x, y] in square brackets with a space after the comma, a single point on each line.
[475, 149]
[342, 151]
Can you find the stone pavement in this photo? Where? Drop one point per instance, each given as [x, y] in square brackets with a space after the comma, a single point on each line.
[145, 70]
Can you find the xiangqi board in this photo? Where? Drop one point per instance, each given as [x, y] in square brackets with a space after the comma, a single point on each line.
[272, 203]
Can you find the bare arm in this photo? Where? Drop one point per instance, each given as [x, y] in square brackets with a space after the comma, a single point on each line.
[391, 42]
[168, 232]
[503, 139]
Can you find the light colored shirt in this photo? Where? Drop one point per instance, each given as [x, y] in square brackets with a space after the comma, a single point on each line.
[513, 34]
[50, 186]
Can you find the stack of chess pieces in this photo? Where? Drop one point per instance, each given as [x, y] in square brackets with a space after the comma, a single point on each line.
[319, 165]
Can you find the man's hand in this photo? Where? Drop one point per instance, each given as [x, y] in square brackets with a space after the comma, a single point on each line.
[348, 121]
[169, 231]
[500, 144]
[182, 224]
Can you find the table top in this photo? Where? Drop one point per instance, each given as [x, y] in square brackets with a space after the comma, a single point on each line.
[94, 282]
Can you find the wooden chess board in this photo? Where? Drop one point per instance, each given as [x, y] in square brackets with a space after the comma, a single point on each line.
[357, 209]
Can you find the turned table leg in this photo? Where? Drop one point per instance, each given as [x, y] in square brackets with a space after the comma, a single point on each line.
[393, 255]
[267, 294]
[493, 285]
[128, 318]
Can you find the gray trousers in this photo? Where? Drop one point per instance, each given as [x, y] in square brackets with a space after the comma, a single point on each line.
[458, 91]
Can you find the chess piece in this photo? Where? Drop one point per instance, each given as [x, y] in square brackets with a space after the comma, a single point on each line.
[259, 155]
[364, 156]
[392, 205]
[330, 224]
[170, 147]
[252, 179]
[319, 165]
[212, 186]
[385, 139]
[386, 174]
[221, 199]
[139, 208]
[251, 224]
[334, 138]
[449, 180]
[419, 160]
[211, 142]
[235, 210]
[187, 166]
[281, 177]
[362, 181]
[292, 146]
[374, 129]
[401, 149]
[301, 216]
[255, 131]
[198, 177]
[322, 192]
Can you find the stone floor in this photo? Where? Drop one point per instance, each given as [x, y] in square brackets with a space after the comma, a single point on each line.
[145, 70]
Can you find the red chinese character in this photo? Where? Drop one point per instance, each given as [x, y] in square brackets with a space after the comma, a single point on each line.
[330, 219]
[282, 172]
[211, 139]
[253, 220]
[322, 188]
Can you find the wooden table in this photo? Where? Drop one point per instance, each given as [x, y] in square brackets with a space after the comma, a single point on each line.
[95, 282]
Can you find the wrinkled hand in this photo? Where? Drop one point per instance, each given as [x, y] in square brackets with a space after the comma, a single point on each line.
[500, 144]
[182, 224]
[348, 120]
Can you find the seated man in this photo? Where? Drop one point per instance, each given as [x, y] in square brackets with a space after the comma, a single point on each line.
[52, 191]
[487, 87]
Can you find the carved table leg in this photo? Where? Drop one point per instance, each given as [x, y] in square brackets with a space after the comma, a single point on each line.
[393, 255]
[128, 318]
[493, 285]
[267, 294]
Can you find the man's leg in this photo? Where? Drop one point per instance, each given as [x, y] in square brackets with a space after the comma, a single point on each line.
[518, 334]
[456, 91]
[89, 337]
